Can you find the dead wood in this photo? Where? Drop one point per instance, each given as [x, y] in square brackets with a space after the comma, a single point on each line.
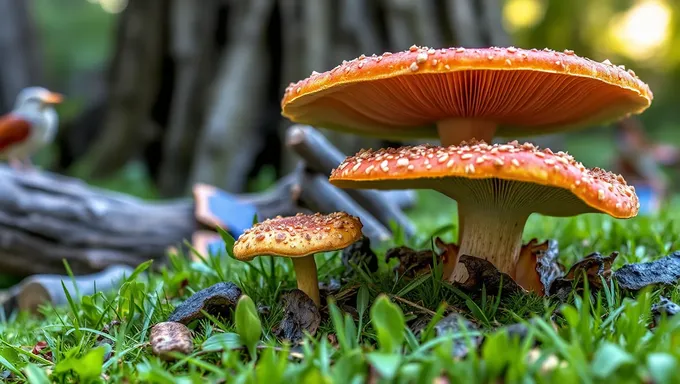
[45, 218]
[320, 155]
[334, 199]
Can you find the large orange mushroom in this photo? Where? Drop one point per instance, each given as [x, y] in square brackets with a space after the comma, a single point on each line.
[458, 94]
[496, 186]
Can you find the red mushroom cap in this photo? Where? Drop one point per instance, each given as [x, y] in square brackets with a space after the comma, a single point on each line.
[425, 166]
[404, 94]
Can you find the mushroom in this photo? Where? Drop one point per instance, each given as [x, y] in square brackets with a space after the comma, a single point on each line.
[496, 186]
[458, 94]
[299, 237]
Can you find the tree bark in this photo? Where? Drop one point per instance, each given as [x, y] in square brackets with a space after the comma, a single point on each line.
[192, 26]
[19, 51]
[134, 86]
[228, 144]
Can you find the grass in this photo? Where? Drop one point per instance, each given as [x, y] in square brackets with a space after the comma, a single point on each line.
[597, 339]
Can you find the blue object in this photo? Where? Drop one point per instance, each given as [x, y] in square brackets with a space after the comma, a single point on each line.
[649, 200]
[216, 246]
[236, 216]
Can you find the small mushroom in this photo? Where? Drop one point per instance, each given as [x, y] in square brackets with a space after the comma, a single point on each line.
[458, 94]
[496, 186]
[299, 237]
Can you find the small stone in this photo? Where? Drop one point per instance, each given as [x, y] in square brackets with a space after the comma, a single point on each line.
[456, 323]
[169, 337]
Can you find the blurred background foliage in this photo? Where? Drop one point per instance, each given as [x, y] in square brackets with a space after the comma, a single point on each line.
[78, 37]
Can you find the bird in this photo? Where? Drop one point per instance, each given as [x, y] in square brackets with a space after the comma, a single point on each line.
[29, 127]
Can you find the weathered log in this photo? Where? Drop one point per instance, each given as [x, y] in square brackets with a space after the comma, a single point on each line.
[322, 156]
[45, 218]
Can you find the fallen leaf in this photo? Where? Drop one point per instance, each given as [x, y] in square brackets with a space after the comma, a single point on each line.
[595, 267]
[411, 262]
[299, 314]
[38, 350]
[359, 254]
[480, 272]
[537, 266]
[456, 323]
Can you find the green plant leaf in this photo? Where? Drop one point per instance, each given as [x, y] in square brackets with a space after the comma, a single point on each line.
[362, 300]
[36, 375]
[88, 367]
[248, 325]
[221, 342]
[608, 358]
[339, 326]
[388, 322]
[228, 241]
[662, 367]
[387, 364]
[8, 359]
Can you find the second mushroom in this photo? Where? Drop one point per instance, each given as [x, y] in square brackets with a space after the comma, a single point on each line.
[496, 186]
[299, 238]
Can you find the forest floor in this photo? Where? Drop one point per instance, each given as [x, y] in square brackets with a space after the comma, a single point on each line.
[393, 334]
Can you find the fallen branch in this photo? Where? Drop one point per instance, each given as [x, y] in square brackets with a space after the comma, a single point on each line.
[332, 199]
[320, 155]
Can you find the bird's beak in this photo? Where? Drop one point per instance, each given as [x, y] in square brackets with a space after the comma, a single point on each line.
[52, 98]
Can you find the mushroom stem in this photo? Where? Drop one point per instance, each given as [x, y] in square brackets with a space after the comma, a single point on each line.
[493, 234]
[453, 131]
[306, 275]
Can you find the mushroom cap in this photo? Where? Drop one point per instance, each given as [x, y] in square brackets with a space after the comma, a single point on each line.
[525, 92]
[427, 166]
[298, 236]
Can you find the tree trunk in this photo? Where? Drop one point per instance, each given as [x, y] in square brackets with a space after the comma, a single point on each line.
[192, 47]
[208, 76]
[19, 51]
[134, 86]
[228, 142]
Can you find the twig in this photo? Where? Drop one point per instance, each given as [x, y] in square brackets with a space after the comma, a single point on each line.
[412, 304]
